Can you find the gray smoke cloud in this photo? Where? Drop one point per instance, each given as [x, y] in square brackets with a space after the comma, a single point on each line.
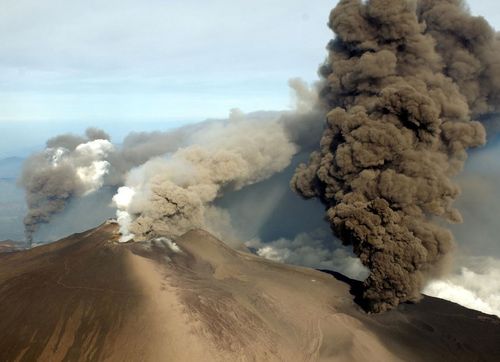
[69, 166]
[174, 193]
[168, 196]
[402, 82]
[167, 181]
[52, 179]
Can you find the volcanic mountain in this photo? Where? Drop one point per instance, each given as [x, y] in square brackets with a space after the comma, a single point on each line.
[89, 298]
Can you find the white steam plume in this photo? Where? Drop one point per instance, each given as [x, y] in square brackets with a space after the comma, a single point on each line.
[122, 201]
[314, 250]
[95, 167]
[476, 285]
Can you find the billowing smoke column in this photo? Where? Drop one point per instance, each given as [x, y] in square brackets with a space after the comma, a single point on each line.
[170, 195]
[69, 166]
[402, 80]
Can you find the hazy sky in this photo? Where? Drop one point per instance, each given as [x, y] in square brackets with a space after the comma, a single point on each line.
[158, 59]
[154, 59]
[69, 64]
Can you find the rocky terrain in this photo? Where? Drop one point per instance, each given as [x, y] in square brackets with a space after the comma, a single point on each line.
[89, 298]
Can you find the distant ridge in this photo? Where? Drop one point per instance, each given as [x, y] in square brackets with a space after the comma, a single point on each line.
[10, 245]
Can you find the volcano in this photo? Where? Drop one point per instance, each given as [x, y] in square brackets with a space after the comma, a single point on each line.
[89, 298]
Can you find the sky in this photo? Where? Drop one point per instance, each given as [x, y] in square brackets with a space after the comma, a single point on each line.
[66, 65]
[129, 59]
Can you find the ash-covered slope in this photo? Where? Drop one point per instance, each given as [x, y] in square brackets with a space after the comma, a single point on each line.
[88, 298]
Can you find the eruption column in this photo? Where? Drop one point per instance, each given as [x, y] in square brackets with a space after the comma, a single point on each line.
[396, 133]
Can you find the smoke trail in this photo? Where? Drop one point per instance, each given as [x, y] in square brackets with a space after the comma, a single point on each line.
[220, 155]
[69, 166]
[401, 90]
[170, 195]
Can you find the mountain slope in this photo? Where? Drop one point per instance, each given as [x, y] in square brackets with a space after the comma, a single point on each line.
[88, 298]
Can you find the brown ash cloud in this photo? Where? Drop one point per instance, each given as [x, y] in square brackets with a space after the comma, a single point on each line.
[404, 83]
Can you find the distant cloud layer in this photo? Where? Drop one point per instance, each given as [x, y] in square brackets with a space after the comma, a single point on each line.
[154, 59]
[476, 285]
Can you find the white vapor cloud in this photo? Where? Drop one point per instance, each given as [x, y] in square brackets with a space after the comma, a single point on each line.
[315, 249]
[475, 285]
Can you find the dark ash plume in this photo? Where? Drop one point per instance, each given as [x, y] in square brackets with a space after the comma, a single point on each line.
[69, 165]
[469, 48]
[401, 81]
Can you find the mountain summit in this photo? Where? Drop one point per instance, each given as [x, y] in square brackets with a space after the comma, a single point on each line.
[89, 298]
